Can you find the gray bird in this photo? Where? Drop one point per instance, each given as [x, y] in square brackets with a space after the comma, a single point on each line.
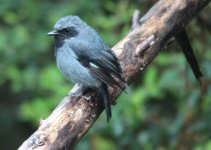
[83, 57]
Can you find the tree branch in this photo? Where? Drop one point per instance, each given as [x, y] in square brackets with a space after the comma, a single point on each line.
[70, 121]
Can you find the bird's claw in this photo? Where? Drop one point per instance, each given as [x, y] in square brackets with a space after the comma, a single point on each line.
[88, 98]
[78, 96]
[73, 95]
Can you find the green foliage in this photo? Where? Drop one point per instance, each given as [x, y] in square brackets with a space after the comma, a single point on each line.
[162, 110]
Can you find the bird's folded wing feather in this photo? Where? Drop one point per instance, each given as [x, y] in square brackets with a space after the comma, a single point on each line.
[101, 62]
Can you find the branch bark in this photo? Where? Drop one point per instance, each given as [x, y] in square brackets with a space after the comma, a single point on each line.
[73, 117]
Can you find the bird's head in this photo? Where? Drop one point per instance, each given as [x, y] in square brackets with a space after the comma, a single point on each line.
[67, 27]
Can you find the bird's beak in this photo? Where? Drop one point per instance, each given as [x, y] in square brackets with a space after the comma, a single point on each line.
[52, 33]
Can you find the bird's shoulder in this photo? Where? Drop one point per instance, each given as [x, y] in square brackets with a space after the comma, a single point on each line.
[91, 48]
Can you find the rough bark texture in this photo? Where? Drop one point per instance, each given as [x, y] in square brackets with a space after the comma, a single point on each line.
[70, 121]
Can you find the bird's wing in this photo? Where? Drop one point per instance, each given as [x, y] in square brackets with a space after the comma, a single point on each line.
[101, 62]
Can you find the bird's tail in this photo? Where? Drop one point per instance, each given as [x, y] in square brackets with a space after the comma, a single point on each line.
[184, 43]
[103, 91]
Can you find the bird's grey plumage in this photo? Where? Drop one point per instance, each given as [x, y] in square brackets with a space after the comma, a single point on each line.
[83, 57]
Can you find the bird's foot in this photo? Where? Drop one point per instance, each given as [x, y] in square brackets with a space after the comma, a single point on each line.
[88, 98]
[79, 95]
[76, 95]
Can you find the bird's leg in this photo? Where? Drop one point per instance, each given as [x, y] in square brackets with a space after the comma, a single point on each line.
[81, 90]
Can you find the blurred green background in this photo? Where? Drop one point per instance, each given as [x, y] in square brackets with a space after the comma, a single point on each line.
[164, 109]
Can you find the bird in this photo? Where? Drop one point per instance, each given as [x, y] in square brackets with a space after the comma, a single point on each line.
[84, 58]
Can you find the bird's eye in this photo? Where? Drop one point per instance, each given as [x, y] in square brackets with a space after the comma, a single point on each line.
[69, 32]
[66, 30]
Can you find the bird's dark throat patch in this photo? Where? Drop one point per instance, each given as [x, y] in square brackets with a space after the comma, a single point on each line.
[64, 34]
